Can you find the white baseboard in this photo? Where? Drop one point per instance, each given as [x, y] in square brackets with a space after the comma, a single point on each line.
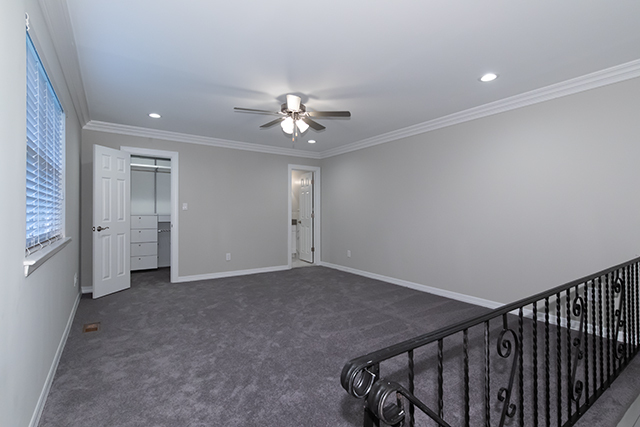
[418, 287]
[193, 278]
[37, 413]
[86, 289]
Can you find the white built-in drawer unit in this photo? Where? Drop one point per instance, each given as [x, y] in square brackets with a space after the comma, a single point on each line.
[144, 242]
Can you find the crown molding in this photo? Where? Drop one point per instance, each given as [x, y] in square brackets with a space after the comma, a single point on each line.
[605, 77]
[56, 11]
[595, 80]
[195, 139]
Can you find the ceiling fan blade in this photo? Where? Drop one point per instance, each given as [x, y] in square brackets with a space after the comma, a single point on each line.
[251, 110]
[328, 113]
[273, 122]
[311, 123]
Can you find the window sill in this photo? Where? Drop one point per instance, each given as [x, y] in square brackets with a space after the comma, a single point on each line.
[33, 261]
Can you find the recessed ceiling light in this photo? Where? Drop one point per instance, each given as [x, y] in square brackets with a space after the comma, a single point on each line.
[154, 115]
[489, 77]
[312, 141]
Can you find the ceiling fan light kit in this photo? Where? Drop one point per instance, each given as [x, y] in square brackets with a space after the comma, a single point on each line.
[295, 117]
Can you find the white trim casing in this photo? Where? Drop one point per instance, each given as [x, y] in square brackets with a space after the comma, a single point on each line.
[317, 210]
[175, 198]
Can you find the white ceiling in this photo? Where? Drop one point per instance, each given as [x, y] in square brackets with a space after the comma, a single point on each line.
[392, 64]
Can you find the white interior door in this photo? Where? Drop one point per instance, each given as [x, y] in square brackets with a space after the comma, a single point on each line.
[111, 221]
[306, 217]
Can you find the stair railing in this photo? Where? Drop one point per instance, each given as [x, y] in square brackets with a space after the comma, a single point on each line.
[540, 361]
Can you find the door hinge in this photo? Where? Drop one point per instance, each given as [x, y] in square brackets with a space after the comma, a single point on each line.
[313, 215]
[313, 249]
[312, 182]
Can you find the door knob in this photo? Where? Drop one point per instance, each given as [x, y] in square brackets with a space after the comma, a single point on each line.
[100, 228]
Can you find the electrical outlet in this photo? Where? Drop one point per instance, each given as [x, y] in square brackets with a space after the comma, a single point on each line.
[228, 256]
[75, 280]
[348, 253]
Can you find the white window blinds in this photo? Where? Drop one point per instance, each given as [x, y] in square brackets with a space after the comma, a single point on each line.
[45, 156]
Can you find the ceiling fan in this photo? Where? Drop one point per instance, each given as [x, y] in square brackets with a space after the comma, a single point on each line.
[294, 116]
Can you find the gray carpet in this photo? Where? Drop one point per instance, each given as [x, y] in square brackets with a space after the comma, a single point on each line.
[267, 350]
[260, 350]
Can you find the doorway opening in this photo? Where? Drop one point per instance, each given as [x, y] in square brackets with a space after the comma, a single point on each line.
[304, 216]
[154, 206]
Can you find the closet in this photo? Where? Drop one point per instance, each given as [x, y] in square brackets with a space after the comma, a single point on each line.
[150, 213]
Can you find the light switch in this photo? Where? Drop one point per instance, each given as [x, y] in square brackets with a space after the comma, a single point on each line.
[184, 206]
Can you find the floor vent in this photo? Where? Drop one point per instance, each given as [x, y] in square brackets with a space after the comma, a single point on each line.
[91, 327]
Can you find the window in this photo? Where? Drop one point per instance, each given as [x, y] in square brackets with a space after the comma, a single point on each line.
[45, 156]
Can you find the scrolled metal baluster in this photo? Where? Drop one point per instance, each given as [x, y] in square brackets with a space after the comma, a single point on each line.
[359, 380]
[505, 346]
[383, 401]
[576, 386]
[619, 288]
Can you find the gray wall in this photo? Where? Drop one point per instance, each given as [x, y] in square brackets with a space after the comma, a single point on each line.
[237, 202]
[34, 311]
[497, 208]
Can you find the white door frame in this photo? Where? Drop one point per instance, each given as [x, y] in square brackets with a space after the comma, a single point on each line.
[174, 157]
[317, 259]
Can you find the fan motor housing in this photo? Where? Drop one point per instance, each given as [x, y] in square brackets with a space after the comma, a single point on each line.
[285, 110]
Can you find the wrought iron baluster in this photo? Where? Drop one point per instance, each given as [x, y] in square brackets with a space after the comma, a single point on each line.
[465, 345]
[600, 325]
[606, 306]
[586, 342]
[505, 346]
[631, 324]
[569, 345]
[619, 348]
[411, 389]
[535, 363]
[624, 315]
[576, 386]
[521, 365]
[608, 318]
[594, 321]
[632, 312]
[487, 376]
[547, 365]
[370, 419]
[637, 291]
[440, 379]
[559, 360]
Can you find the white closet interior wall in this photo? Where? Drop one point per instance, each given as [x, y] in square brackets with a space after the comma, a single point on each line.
[151, 195]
